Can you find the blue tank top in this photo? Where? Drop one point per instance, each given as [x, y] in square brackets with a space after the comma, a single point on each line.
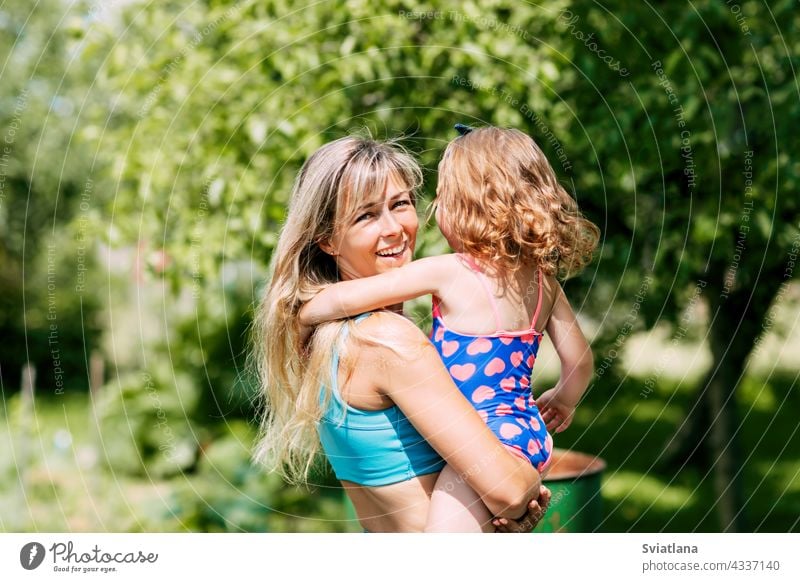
[371, 447]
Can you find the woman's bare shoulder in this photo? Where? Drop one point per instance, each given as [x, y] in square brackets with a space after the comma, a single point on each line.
[390, 326]
[384, 333]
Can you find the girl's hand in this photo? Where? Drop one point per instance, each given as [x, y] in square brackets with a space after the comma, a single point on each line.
[556, 414]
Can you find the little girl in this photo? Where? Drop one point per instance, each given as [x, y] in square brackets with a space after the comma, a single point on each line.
[514, 228]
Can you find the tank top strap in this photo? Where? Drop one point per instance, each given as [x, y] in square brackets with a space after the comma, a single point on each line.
[337, 397]
[485, 284]
[538, 301]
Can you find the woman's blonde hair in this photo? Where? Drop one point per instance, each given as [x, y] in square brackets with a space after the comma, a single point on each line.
[504, 205]
[332, 184]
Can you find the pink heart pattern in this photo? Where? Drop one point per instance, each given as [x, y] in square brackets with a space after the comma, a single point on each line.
[479, 346]
[503, 410]
[462, 372]
[481, 394]
[493, 373]
[494, 367]
[508, 384]
[449, 348]
[509, 431]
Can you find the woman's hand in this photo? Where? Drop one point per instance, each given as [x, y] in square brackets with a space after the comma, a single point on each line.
[556, 413]
[536, 510]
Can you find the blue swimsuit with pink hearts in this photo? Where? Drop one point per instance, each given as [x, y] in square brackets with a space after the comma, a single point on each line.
[493, 372]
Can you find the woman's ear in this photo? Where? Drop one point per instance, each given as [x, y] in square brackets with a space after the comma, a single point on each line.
[327, 247]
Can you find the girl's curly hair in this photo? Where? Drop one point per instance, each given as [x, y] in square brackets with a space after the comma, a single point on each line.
[503, 205]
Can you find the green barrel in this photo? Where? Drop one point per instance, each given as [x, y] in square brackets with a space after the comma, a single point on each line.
[574, 481]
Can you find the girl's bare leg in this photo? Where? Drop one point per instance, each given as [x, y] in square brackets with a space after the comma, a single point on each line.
[455, 507]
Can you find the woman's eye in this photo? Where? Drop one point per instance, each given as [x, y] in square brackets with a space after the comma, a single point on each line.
[404, 202]
[364, 216]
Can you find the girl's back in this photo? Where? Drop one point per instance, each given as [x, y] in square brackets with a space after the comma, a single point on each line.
[478, 301]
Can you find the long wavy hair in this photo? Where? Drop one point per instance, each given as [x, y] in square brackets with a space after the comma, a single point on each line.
[504, 205]
[336, 180]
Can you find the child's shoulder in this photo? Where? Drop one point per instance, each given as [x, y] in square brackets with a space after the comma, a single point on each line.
[550, 281]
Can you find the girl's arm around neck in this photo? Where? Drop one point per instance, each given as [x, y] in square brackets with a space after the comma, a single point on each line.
[348, 298]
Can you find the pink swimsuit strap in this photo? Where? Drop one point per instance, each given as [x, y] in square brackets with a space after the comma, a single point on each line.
[493, 301]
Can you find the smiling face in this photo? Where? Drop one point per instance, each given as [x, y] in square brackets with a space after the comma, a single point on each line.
[380, 235]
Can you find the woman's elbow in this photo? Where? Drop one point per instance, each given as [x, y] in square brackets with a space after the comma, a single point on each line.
[511, 500]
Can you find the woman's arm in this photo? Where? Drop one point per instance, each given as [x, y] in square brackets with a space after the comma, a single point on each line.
[577, 366]
[348, 298]
[417, 381]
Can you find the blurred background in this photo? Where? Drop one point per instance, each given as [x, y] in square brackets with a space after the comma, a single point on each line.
[147, 151]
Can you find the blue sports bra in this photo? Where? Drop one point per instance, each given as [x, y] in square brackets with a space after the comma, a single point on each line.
[371, 447]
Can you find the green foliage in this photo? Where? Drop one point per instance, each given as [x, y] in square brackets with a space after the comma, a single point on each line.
[210, 344]
[641, 494]
[687, 144]
[144, 420]
[231, 494]
[45, 177]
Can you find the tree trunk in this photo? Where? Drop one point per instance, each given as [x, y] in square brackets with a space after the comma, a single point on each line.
[708, 438]
[730, 348]
[688, 446]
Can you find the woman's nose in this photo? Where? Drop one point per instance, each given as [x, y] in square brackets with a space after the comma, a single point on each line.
[389, 224]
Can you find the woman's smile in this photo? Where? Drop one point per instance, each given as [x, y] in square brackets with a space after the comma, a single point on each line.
[394, 252]
[381, 237]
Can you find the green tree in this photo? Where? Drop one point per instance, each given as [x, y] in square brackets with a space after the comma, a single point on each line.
[687, 159]
[44, 178]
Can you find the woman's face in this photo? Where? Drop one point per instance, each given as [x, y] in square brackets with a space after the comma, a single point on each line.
[381, 237]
